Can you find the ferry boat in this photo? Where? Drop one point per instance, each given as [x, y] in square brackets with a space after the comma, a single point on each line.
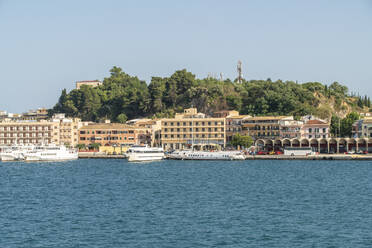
[144, 153]
[51, 153]
[207, 155]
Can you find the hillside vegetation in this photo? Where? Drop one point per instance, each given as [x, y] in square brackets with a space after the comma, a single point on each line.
[123, 97]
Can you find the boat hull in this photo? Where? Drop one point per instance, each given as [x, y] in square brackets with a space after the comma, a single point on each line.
[145, 157]
[31, 158]
[207, 156]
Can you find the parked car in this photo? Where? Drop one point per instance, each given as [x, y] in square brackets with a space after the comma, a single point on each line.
[262, 153]
[278, 152]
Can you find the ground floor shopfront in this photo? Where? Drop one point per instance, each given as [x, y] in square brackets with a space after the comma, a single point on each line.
[329, 145]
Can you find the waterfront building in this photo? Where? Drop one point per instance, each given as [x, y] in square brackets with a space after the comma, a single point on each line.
[315, 129]
[68, 129]
[107, 134]
[91, 83]
[193, 128]
[263, 126]
[320, 145]
[28, 132]
[290, 128]
[234, 125]
[153, 130]
[362, 128]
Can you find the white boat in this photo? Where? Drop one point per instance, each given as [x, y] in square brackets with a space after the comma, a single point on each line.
[51, 153]
[14, 153]
[11, 155]
[144, 153]
[207, 155]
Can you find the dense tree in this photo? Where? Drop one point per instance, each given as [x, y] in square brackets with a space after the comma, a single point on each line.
[122, 94]
[122, 118]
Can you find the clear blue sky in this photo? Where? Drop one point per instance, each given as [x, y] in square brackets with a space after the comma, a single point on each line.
[46, 46]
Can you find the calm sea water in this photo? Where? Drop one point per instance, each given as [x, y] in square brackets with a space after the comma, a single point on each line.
[112, 203]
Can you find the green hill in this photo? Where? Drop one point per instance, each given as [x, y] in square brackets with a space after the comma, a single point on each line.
[124, 97]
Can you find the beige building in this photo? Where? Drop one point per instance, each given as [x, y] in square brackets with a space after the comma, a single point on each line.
[290, 128]
[153, 128]
[315, 129]
[68, 129]
[193, 128]
[59, 130]
[108, 134]
[91, 83]
[29, 132]
[234, 125]
[263, 126]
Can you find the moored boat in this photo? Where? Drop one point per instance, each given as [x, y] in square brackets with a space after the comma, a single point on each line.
[144, 153]
[51, 153]
[14, 153]
[207, 155]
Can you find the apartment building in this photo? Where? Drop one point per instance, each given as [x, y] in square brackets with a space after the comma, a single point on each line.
[315, 129]
[112, 134]
[193, 129]
[68, 129]
[362, 128]
[29, 132]
[290, 129]
[152, 127]
[234, 125]
[259, 127]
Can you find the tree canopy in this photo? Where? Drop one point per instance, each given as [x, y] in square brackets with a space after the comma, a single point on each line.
[123, 97]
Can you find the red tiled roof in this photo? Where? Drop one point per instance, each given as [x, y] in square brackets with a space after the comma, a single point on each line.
[314, 122]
